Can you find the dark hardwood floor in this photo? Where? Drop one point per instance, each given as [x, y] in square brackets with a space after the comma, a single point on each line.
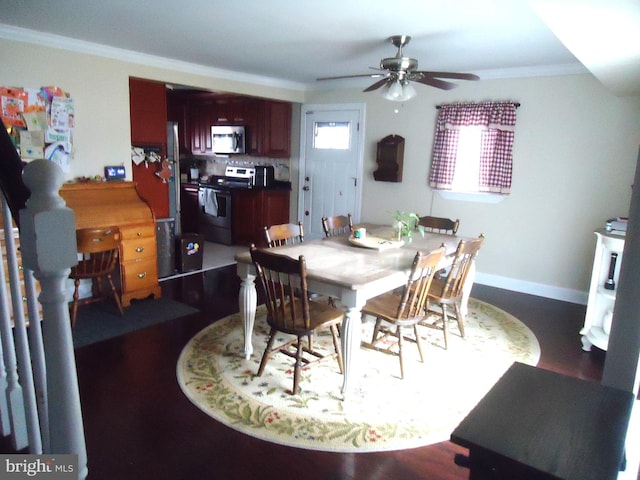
[139, 425]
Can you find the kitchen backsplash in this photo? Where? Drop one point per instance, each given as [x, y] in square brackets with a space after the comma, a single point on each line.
[216, 165]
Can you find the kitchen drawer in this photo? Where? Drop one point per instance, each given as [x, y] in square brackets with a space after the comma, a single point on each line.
[138, 231]
[140, 274]
[137, 248]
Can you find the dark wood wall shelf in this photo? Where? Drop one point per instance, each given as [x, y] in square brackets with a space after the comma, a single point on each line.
[390, 158]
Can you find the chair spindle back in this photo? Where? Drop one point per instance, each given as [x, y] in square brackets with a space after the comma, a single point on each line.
[414, 295]
[284, 234]
[465, 255]
[337, 225]
[284, 282]
[439, 224]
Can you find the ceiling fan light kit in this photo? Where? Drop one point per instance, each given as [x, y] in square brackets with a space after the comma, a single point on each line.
[398, 92]
[399, 71]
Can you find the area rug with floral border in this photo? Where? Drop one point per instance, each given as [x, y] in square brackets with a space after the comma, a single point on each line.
[384, 412]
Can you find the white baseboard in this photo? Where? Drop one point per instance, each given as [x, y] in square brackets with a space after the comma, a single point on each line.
[531, 288]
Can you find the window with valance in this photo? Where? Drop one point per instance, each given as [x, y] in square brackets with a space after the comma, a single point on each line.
[472, 148]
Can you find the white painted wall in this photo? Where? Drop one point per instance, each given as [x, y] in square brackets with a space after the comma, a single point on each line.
[100, 89]
[539, 240]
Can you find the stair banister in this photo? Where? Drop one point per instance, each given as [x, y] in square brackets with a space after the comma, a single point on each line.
[23, 351]
[48, 247]
[14, 421]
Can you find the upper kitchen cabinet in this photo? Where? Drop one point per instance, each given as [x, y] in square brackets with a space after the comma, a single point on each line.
[148, 117]
[177, 112]
[267, 122]
[200, 116]
[148, 112]
[277, 129]
[232, 111]
[254, 126]
[245, 111]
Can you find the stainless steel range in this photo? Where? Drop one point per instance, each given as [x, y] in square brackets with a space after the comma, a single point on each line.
[214, 201]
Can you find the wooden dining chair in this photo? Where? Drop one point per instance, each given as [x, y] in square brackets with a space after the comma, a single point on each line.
[98, 248]
[448, 292]
[439, 224]
[281, 277]
[395, 311]
[337, 225]
[284, 234]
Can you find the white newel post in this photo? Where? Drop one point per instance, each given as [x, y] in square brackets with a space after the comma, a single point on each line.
[48, 245]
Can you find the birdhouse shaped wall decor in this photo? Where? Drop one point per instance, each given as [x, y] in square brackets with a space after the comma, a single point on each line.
[389, 157]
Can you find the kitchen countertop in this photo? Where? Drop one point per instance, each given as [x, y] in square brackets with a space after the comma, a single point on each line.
[277, 185]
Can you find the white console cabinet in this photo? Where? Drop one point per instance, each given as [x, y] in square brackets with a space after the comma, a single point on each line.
[597, 322]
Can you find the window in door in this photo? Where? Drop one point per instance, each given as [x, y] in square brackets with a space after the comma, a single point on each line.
[331, 135]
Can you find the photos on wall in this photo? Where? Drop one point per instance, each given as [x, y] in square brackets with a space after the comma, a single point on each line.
[40, 122]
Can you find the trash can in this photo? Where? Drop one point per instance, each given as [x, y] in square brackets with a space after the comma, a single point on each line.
[189, 247]
[165, 239]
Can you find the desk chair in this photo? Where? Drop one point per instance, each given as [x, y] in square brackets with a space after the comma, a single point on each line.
[99, 250]
[439, 225]
[337, 225]
[284, 234]
[448, 291]
[281, 278]
[404, 310]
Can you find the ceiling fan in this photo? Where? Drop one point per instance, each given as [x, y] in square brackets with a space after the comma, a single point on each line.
[397, 73]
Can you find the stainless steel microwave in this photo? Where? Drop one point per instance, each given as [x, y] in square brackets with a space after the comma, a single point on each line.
[227, 139]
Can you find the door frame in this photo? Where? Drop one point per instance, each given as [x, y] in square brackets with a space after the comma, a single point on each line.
[359, 138]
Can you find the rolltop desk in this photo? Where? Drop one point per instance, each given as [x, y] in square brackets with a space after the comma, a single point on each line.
[104, 204]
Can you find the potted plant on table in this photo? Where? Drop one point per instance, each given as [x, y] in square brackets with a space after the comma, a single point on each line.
[405, 224]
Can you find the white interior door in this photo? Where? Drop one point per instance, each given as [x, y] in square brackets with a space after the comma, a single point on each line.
[331, 164]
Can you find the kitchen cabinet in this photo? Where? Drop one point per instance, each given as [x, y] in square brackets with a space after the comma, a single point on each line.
[177, 112]
[200, 112]
[231, 111]
[254, 126]
[267, 122]
[252, 210]
[148, 117]
[245, 111]
[277, 129]
[602, 290]
[189, 208]
[148, 112]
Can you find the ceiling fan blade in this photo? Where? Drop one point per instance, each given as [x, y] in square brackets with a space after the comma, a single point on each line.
[376, 85]
[435, 82]
[454, 75]
[370, 75]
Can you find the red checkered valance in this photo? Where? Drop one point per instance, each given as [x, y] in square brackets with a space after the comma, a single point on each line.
[498, 120]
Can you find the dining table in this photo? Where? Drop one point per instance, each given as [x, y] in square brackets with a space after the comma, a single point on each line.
[341, 268]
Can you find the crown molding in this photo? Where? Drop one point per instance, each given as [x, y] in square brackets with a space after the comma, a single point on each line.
[19, 34]
[533, 71]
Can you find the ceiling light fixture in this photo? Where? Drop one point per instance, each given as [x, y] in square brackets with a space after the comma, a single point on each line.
[396, 75]
[399, 91]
